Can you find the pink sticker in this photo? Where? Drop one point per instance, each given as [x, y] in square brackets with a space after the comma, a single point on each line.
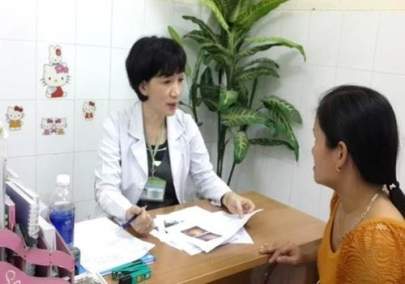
[53, 125]
[55, 74]
[89, 110]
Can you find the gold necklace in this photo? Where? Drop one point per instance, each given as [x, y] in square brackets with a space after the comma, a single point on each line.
[361, 218]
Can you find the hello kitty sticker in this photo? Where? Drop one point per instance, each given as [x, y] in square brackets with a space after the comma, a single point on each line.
[53, 125]
[55, 74]
[89, 110]
[14, 117]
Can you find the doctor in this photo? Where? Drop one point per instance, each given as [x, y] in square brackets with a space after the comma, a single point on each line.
[149, 151]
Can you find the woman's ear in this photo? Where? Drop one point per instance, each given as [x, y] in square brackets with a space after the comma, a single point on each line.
[341, 155]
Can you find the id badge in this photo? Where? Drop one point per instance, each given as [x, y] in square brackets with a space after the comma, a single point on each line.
[154, 189]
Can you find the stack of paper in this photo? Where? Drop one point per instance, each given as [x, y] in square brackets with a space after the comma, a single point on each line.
[194, 229]
[104, 245]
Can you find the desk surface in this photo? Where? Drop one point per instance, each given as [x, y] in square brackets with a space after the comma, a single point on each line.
[277, 222]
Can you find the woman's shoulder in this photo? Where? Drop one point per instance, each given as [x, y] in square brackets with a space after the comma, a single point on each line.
[383, 233]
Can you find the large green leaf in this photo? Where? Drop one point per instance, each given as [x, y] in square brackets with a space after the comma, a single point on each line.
[227, 98]
[255, 12]
[240, 146]
[174, 35]
[263, 62]
[209, 92]
[255, 72]
[276, 104]
[217, 13]
[241, 7]
[252, 50]
[239, 116]
[199, 36]
[280, 128]
[177, 38]
[277, 142]
[204, 27]
[277, 41]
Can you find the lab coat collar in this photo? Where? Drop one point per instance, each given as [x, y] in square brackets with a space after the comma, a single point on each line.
[135, 128]
[175, 129]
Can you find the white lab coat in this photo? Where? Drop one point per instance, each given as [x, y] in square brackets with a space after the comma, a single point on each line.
[122, 168]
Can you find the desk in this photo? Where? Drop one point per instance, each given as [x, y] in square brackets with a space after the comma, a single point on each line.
[277, 222]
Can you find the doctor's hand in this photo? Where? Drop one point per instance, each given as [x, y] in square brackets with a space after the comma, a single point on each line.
[143, 222]
[237, 204]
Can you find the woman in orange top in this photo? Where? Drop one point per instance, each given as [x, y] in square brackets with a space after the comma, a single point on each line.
[355, 153]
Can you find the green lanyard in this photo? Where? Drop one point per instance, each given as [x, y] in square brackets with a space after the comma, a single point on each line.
[153, 151]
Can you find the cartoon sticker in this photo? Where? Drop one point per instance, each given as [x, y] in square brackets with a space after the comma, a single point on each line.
[14, 117]
[55, 74]
[53, 125]
[89, 110]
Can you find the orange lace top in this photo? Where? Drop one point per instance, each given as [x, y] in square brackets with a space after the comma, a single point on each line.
[372, 253]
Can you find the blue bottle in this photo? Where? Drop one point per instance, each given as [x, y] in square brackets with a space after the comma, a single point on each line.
[62, 209]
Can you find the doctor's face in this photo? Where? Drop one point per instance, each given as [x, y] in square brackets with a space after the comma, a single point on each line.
[163, 93]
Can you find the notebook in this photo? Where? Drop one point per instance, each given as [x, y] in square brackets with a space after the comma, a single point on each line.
[48, 233]
[27, 208]
[10, 211]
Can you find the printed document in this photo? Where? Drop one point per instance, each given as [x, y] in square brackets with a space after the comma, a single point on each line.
[194, 229]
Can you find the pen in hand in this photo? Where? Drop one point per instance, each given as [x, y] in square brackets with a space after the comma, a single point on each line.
[127, 224]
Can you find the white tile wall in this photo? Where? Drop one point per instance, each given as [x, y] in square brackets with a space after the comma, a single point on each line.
[358, 39]
[158, 15]
[364, 46]
[83, 186]
[120, 88]
[94, 22]
[92, 72]
[48, 167]
[17, 69]
[88, 132]
[128, 22]
[56, 20]
[324, 37]
[389, 55]
[25, 167]
[18, 23]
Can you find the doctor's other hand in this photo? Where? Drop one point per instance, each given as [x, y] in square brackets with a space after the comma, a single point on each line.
[237, 204]
[143, 222]
[287, 253]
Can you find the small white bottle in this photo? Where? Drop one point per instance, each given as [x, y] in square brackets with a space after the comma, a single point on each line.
[62, 209]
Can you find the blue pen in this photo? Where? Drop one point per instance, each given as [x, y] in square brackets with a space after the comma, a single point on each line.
[128, 223]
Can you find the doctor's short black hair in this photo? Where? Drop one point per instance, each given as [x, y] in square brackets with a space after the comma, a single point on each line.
[153, 56]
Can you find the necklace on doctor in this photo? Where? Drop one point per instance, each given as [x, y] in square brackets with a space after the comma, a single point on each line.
[370, 204]
[153, 150]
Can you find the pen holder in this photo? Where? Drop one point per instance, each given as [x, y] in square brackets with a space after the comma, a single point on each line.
[43, 260]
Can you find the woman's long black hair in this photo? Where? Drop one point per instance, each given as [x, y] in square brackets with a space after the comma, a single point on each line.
[364, 120]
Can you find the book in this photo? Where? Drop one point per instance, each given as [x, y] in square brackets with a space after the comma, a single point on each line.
[48, 233]
[27, 209]
[10, 212]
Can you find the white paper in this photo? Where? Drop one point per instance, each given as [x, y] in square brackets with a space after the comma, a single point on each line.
[194, 229]
[104, 245]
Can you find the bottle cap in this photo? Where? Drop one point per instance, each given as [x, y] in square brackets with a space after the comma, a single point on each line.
[63, 179]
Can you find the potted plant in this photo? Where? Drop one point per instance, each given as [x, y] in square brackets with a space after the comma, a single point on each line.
[227, 70]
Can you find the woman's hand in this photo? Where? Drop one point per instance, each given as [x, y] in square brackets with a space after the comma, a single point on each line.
[237, 204]
[143, 222]
[288, 253]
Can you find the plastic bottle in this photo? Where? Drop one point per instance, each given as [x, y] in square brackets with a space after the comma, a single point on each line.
[62, 209]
